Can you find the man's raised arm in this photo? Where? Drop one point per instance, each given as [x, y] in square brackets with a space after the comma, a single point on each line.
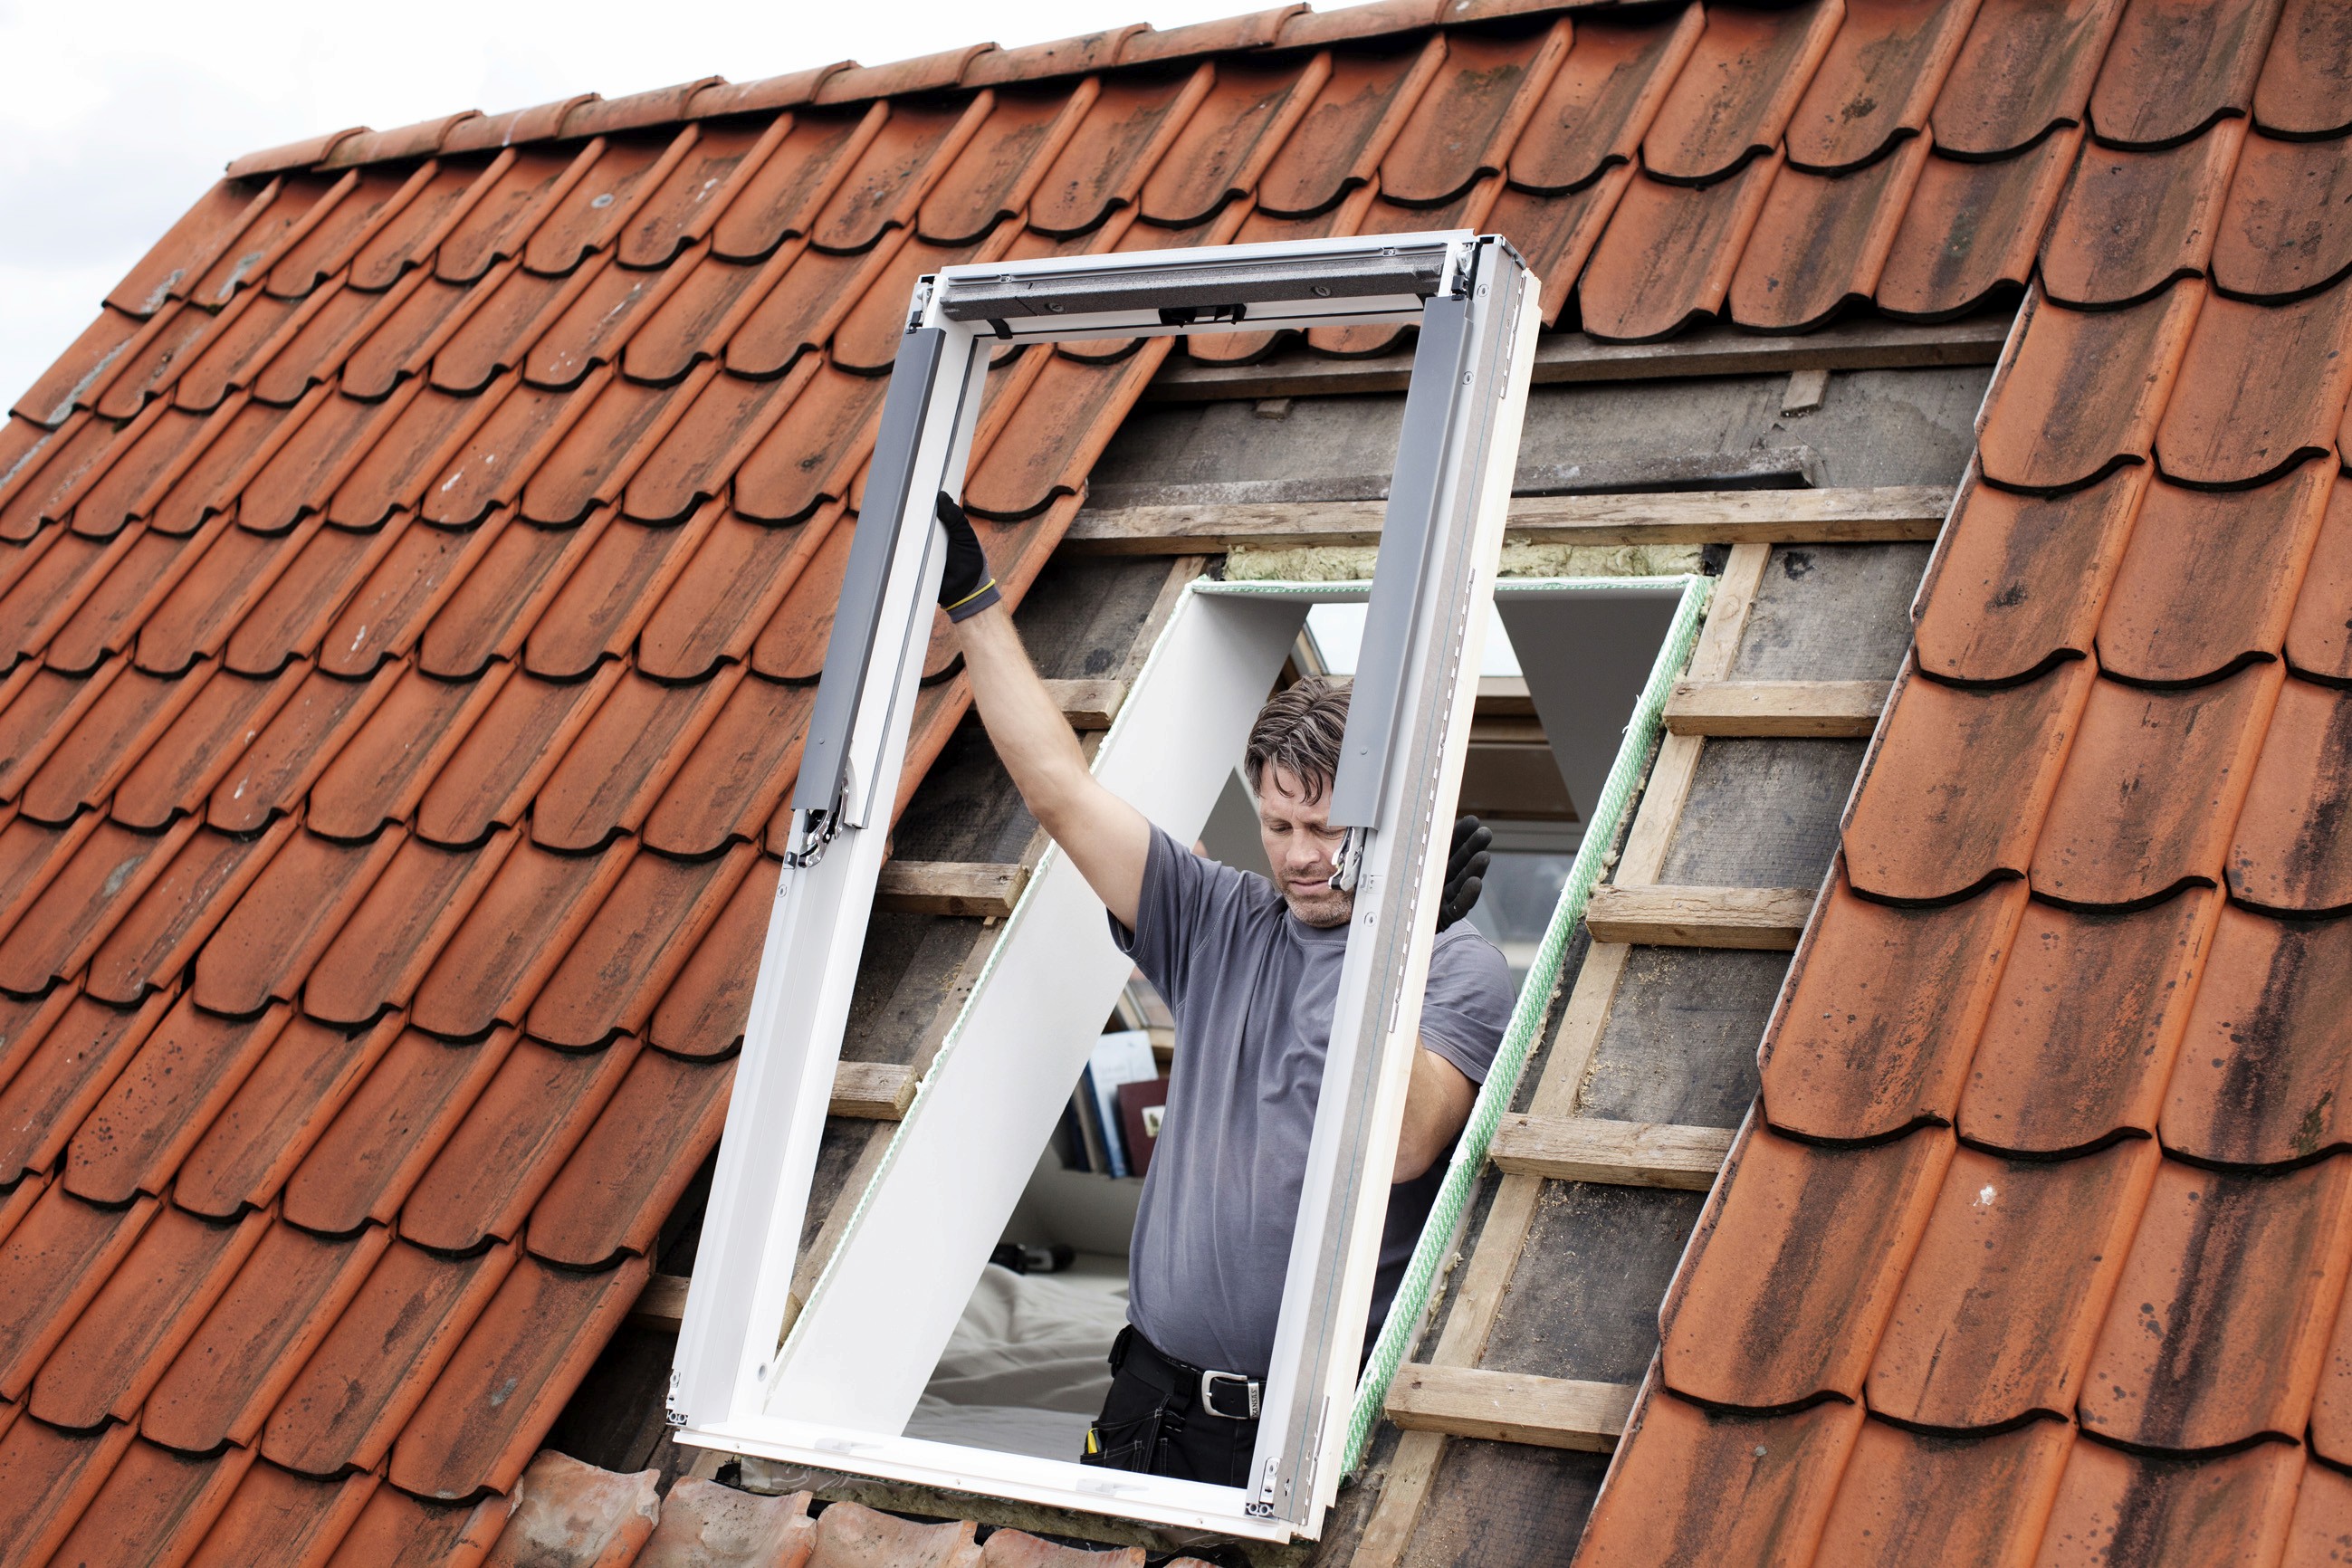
[1106, 839]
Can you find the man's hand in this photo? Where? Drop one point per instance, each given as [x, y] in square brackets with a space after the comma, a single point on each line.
[1465, 870]
[967, 586]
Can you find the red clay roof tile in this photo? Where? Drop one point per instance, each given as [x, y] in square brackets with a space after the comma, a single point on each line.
[417, 317]
[575, 1513]
[697, 191]
[2290, 852]
[703, 1013]
[2317, 637]
[30, 855]
[600, 204]
[1347, 130]
[2234, 419]
[1466, 122]
[1602, 100]
[280, 1110]
[2175, 66]
[287, 918]
[1878, 80]
[312, 344]
[497, 1162]
[1227, 143]
[149, 367]
[1919, 833]
[1737, 93]
[525, 922]
[705, 1525]
[75, 595]
[885, 186]
[401, 927]
[155, 1504]
[396, 1531]
[2132, 222]
[2080, 392]
[2262, 1066]
[2115, 1508]
[517, 743]
[708, 444]
[188, 246]
[1675, 1457]
[491, 330]
[277, 1519]
[1821, 241]
[332, 244]
[1968, 1502]
[46, 707]
[379, 777]
[1792, 1271]
[2305, 87]
[618, 1186]
[1882, 1011]
[648, 927]
[998, 170]
[54, 934]
[2210, 577]
[488, 616]
[292, 616]
[503, 1388]
[800, 308]
[46, 495]
[185, 1071]
[372, 1368]
[58, 1258]
[114, 730]
[1131, 124]
[202, 745]
[725, 593]
[2081, 1037]
[379, 1144]
[408, 239]
[495, 461]
[623, 758]
[792, 185]
[420, 569]
[701, 314]
[73, 381]
[811, 457]
[1669, 253]
[2025, 66]
[2151, 787]
[2189, 1358]
[412, 449]
[67, 1073]
[1252, 30]
[617, 432]
[298, 203]
[496, 226]
[567, 329]
[258, 1336]
[232, 575]
[2002, 1301]
[2282, 232]
[151, 1305]
[23, 1021]
[243, 340]
[861, 1537]
[47, 1479]
[1554, 235]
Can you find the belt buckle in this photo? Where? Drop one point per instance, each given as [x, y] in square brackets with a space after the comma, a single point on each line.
[1209, 1381]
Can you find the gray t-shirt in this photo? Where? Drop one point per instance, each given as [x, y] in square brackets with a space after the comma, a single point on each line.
[1252, 988]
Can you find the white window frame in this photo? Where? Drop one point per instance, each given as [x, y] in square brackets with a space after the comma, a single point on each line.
[831, 1380]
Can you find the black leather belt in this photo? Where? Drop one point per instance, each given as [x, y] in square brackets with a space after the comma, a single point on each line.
[1234, 1395]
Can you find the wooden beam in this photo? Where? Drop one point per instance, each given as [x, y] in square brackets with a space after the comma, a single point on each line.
[1089, 704]
[1510, 1408]
[1661, 916]
[1812, 709]
[872, 1091]
[1618, 1154]
[950, 888]
[1861, 514]
[661, 1304]
[1563, 358]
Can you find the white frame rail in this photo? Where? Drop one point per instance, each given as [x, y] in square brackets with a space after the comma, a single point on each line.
[831, 1381]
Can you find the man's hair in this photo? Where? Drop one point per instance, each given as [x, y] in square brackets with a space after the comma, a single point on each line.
[1298, 731]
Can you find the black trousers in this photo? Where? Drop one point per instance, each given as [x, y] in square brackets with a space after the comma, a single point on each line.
[1153, 1421]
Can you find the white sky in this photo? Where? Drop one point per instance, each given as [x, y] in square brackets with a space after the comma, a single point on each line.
[115, 114]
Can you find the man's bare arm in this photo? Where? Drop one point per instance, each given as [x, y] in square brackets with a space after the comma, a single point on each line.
[1436, 1108]
[1106, 839]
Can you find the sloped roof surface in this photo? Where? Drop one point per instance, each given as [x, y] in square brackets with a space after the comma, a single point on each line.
[2033, 1249]
[412, 585]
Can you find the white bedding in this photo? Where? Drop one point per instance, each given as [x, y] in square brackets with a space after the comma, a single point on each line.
[1024, 1370]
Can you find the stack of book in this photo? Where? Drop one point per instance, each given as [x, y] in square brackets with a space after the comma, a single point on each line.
[1113, 1119]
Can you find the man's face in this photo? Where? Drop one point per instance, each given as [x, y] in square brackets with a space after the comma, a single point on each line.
[1302, 847]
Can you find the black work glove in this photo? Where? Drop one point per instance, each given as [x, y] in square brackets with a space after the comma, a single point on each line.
[1465, 870]
[967, 586]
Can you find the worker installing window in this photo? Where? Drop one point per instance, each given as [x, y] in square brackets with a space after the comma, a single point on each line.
[1275, 1295]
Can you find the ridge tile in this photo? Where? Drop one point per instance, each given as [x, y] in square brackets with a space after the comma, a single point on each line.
[1924, 829]
[1881, 1012]
[2151, 788]
[1792, 1271]
[2080, 1041]
[2002, 1301]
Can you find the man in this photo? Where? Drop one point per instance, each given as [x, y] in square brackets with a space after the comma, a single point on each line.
[1251, 969]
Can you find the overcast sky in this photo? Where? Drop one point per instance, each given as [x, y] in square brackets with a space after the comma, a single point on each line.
[115, 114]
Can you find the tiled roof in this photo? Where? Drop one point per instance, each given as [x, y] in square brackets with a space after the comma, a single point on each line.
[412, 585]
[2033, 1248]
